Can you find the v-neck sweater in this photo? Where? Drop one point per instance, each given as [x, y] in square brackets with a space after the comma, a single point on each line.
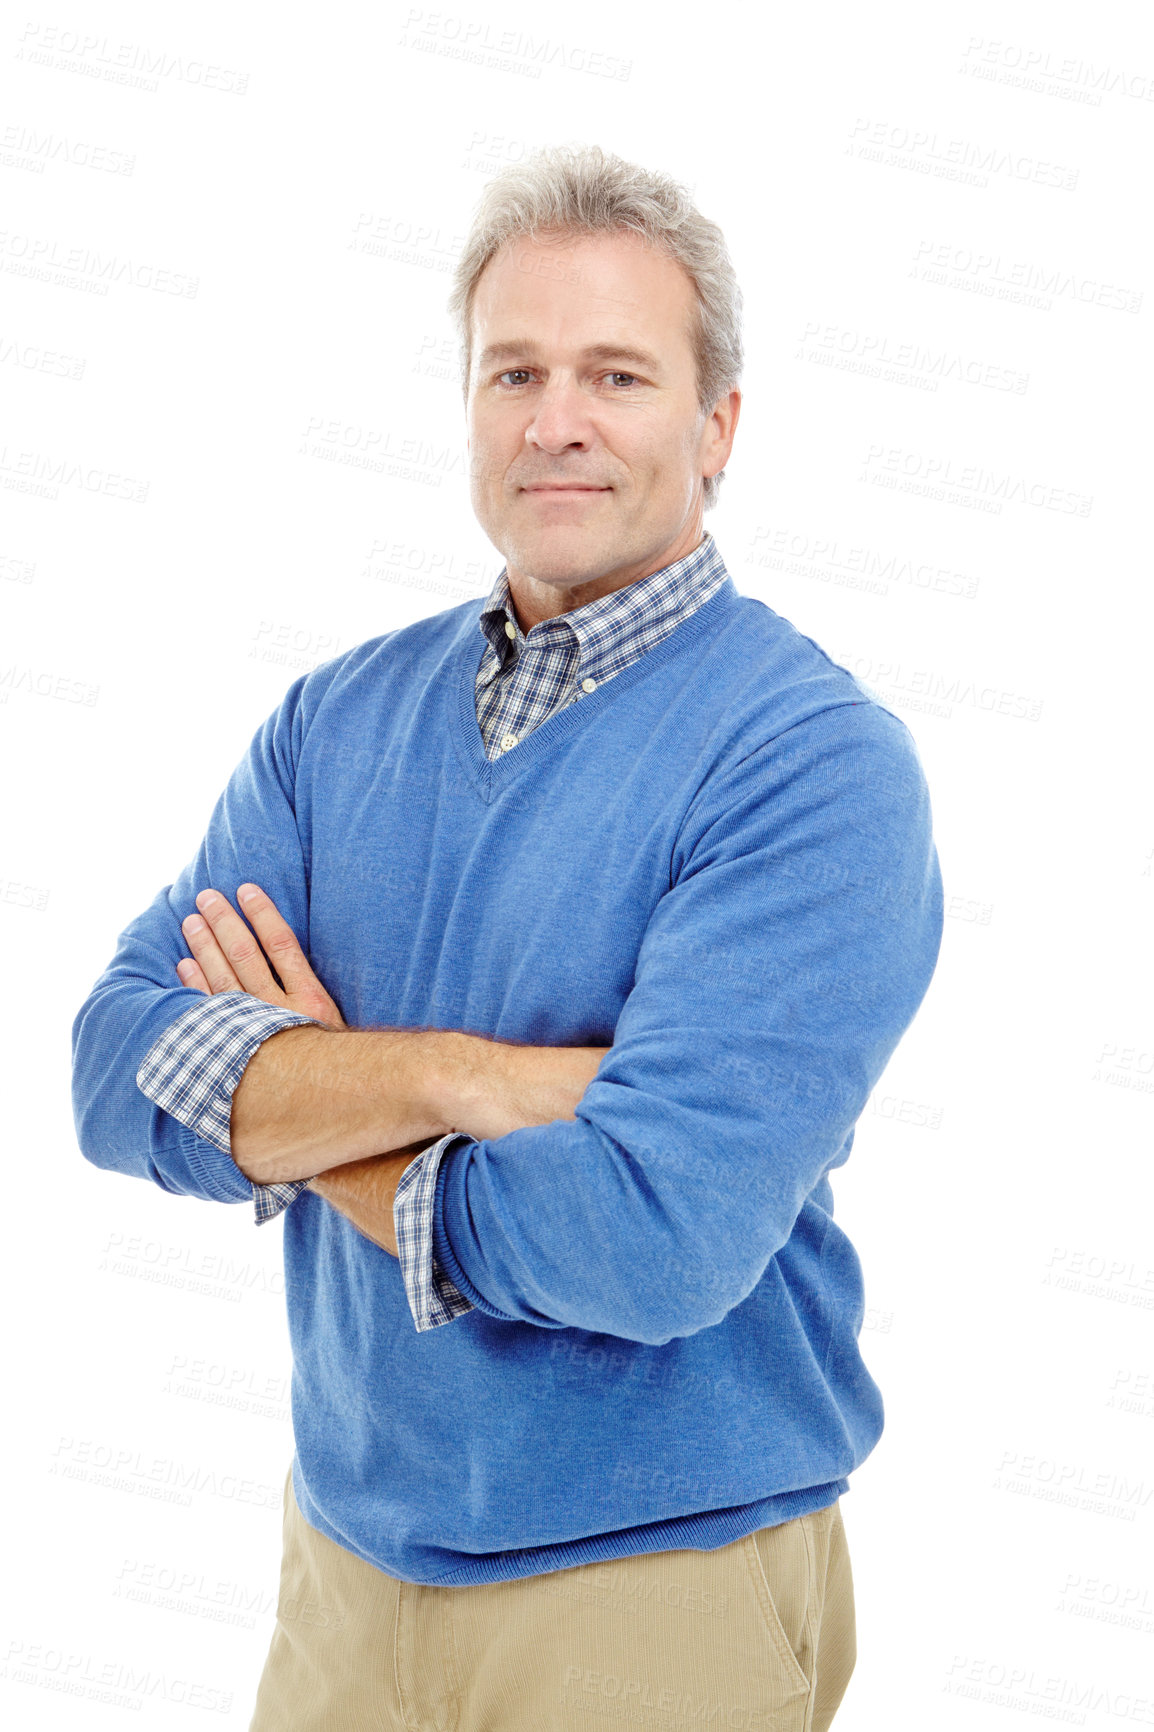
[719, 864]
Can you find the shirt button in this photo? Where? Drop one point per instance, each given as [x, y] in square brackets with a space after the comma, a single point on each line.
[588, 685]
[510, 628]
[508, 740]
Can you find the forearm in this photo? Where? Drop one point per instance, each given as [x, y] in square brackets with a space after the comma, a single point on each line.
[312, 1099]
[531, 1085]
[363, 1191]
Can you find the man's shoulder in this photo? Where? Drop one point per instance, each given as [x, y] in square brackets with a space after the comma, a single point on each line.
[782, 678]
[799, 732]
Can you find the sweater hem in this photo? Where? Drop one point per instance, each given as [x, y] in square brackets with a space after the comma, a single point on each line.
[705, 1532]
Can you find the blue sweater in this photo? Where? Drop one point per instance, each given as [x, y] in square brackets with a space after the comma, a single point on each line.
[721, 863]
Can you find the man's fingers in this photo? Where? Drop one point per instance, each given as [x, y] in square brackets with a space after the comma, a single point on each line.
[240, 954]
[236, 957]
[279, 941]
[209, 957]
[192, 974]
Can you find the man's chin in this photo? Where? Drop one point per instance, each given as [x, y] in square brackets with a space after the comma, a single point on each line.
[565, 574]
[561, 553]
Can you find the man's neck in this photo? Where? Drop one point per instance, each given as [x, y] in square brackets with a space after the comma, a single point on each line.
[533, 601]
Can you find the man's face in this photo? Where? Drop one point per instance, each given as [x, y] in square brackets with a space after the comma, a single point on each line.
[583, 374]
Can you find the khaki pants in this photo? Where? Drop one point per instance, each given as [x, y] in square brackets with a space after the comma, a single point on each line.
[757, 1636]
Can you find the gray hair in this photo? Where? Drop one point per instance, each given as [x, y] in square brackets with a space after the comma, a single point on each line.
[584, 191]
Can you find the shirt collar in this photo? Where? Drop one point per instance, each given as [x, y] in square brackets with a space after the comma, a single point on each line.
[600, 626]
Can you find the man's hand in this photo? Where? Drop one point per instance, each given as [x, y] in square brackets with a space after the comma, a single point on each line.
[228, 958]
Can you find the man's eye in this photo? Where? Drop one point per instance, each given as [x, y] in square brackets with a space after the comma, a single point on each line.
[524, 372]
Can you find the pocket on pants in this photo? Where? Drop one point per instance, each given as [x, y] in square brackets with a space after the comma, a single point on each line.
[781, 1570]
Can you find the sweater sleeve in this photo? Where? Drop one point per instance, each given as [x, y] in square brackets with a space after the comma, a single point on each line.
[252, 834]
[194, 1066]
[775, 978]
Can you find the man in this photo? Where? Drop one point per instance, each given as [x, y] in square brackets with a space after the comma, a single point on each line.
[614, 895]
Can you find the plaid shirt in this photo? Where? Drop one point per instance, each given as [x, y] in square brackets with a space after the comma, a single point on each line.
[192, 1069]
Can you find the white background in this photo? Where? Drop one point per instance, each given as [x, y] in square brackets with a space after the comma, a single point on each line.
[940, 219]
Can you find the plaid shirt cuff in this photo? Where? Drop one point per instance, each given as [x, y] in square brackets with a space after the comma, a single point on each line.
[195, 1064]
[270, 1200]
[433, 1297]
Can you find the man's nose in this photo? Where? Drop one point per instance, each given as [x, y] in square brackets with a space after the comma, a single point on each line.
[561, 419]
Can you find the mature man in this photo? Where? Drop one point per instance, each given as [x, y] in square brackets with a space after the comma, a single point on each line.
[614, 895]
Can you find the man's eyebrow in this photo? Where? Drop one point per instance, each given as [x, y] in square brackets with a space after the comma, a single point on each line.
[509, 351]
